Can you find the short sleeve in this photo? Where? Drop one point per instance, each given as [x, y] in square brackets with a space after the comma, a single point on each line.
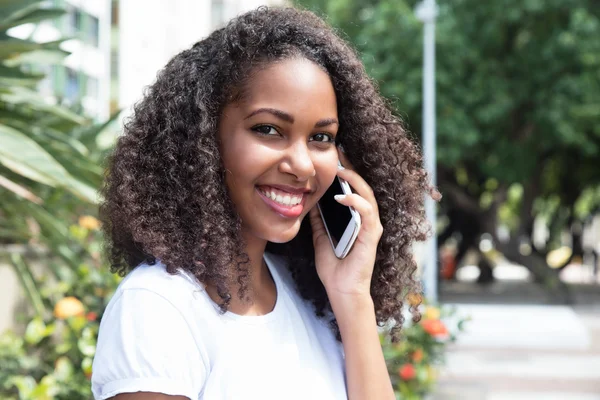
[146, 344]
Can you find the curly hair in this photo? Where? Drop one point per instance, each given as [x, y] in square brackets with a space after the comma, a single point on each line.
[165, 197]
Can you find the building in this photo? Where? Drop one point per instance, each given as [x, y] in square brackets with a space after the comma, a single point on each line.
[83, 76]
[148, 39]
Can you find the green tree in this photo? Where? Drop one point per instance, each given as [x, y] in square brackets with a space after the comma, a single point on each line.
[49, 159]
[518, 105]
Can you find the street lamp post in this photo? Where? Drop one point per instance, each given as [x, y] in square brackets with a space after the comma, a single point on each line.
[427, 12]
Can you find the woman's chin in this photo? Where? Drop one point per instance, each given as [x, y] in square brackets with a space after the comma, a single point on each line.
[279, 234]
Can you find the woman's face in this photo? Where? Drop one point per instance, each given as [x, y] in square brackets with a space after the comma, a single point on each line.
[278, 147]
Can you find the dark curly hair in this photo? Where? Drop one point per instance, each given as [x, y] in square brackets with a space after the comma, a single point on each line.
[165, 196]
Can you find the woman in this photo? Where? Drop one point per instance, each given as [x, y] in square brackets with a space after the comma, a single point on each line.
[236, 295]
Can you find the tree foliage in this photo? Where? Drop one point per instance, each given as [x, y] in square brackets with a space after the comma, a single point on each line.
[518, 101]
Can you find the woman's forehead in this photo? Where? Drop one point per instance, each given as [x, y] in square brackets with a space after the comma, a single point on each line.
[290, 81]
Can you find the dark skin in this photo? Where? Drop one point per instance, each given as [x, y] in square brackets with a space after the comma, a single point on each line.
[293, 146]
[281, 133]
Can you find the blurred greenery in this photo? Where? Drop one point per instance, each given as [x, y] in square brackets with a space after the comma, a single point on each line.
[413, 363]
[518, 105]
[49, 173]
[53, 359]
[49, 158]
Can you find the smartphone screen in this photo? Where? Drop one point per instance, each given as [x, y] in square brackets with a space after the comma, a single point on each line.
[336, 216]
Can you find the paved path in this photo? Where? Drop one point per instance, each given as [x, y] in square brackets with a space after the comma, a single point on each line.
[518, 352]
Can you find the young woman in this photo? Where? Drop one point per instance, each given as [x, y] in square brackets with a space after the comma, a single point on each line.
[233, 290]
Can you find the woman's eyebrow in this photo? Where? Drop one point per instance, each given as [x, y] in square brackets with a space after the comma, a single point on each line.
[278, 113]
[326, 122]
[289, 118]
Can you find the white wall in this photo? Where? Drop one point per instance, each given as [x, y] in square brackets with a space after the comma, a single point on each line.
[150, 33]
[153, 31]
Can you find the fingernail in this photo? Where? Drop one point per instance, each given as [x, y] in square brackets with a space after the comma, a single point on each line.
[339, 197]
[341, 167]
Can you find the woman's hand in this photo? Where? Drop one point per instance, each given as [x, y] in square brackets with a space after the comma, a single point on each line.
[348, 285]
[350, 276]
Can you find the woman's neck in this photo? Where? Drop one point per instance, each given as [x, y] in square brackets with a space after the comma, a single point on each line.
[261, 287]
[259, 273]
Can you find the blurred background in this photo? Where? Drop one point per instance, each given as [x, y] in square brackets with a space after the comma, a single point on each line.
[517, 160]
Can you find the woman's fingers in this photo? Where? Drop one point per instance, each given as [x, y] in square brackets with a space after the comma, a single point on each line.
[368, 213]
[359, 185]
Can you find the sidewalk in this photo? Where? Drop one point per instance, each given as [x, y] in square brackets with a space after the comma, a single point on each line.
[518, 352]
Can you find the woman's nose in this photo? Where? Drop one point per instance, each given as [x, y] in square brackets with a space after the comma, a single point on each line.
[298, 162]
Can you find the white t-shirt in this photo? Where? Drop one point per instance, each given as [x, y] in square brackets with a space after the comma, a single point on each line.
[162, 333]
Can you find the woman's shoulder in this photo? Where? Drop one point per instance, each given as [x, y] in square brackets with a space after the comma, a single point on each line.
[156, 277]
[181, 289]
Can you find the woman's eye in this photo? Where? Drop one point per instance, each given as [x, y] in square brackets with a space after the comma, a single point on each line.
[267, 130]
[322, 137]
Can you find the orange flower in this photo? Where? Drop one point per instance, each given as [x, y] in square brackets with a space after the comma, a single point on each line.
[434, 327]
[414, 299]
[91, 316]
[68, 307]
[432, 313]
[89, 222]
[407, 372]
[417, 355]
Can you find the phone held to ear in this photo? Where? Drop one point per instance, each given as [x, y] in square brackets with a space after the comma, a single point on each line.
[341, 222]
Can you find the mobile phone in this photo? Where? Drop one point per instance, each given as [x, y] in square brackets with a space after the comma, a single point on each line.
[341, 222]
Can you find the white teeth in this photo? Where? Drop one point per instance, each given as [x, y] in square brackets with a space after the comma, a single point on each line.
[286, 200]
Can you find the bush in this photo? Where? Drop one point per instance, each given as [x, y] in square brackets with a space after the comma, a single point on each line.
[413, 363]
[53, 360]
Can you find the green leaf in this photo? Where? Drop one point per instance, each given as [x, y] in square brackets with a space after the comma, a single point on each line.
[36, 331]
[16, 76]
[28, 282]
[63, 348]
[47, 389]
[86, 365]
[63, 369]
[33, 16]
[87, 343]
[38, 57]
[20, 96]
[25, 157]
[24, 384]
[89, 135]
[15, 47]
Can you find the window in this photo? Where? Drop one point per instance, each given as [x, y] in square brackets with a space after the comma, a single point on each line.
[72, 21]
[91, 89]
[93, 28]
[81, 25]
[72, 88]
[217, 13]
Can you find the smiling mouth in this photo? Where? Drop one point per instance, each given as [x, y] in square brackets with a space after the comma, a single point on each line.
[281, 197]
[285, 204]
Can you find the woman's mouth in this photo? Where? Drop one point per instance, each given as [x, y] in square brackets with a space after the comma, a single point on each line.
[286, 204]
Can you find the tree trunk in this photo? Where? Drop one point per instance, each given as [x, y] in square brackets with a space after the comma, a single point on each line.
[557, 290]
